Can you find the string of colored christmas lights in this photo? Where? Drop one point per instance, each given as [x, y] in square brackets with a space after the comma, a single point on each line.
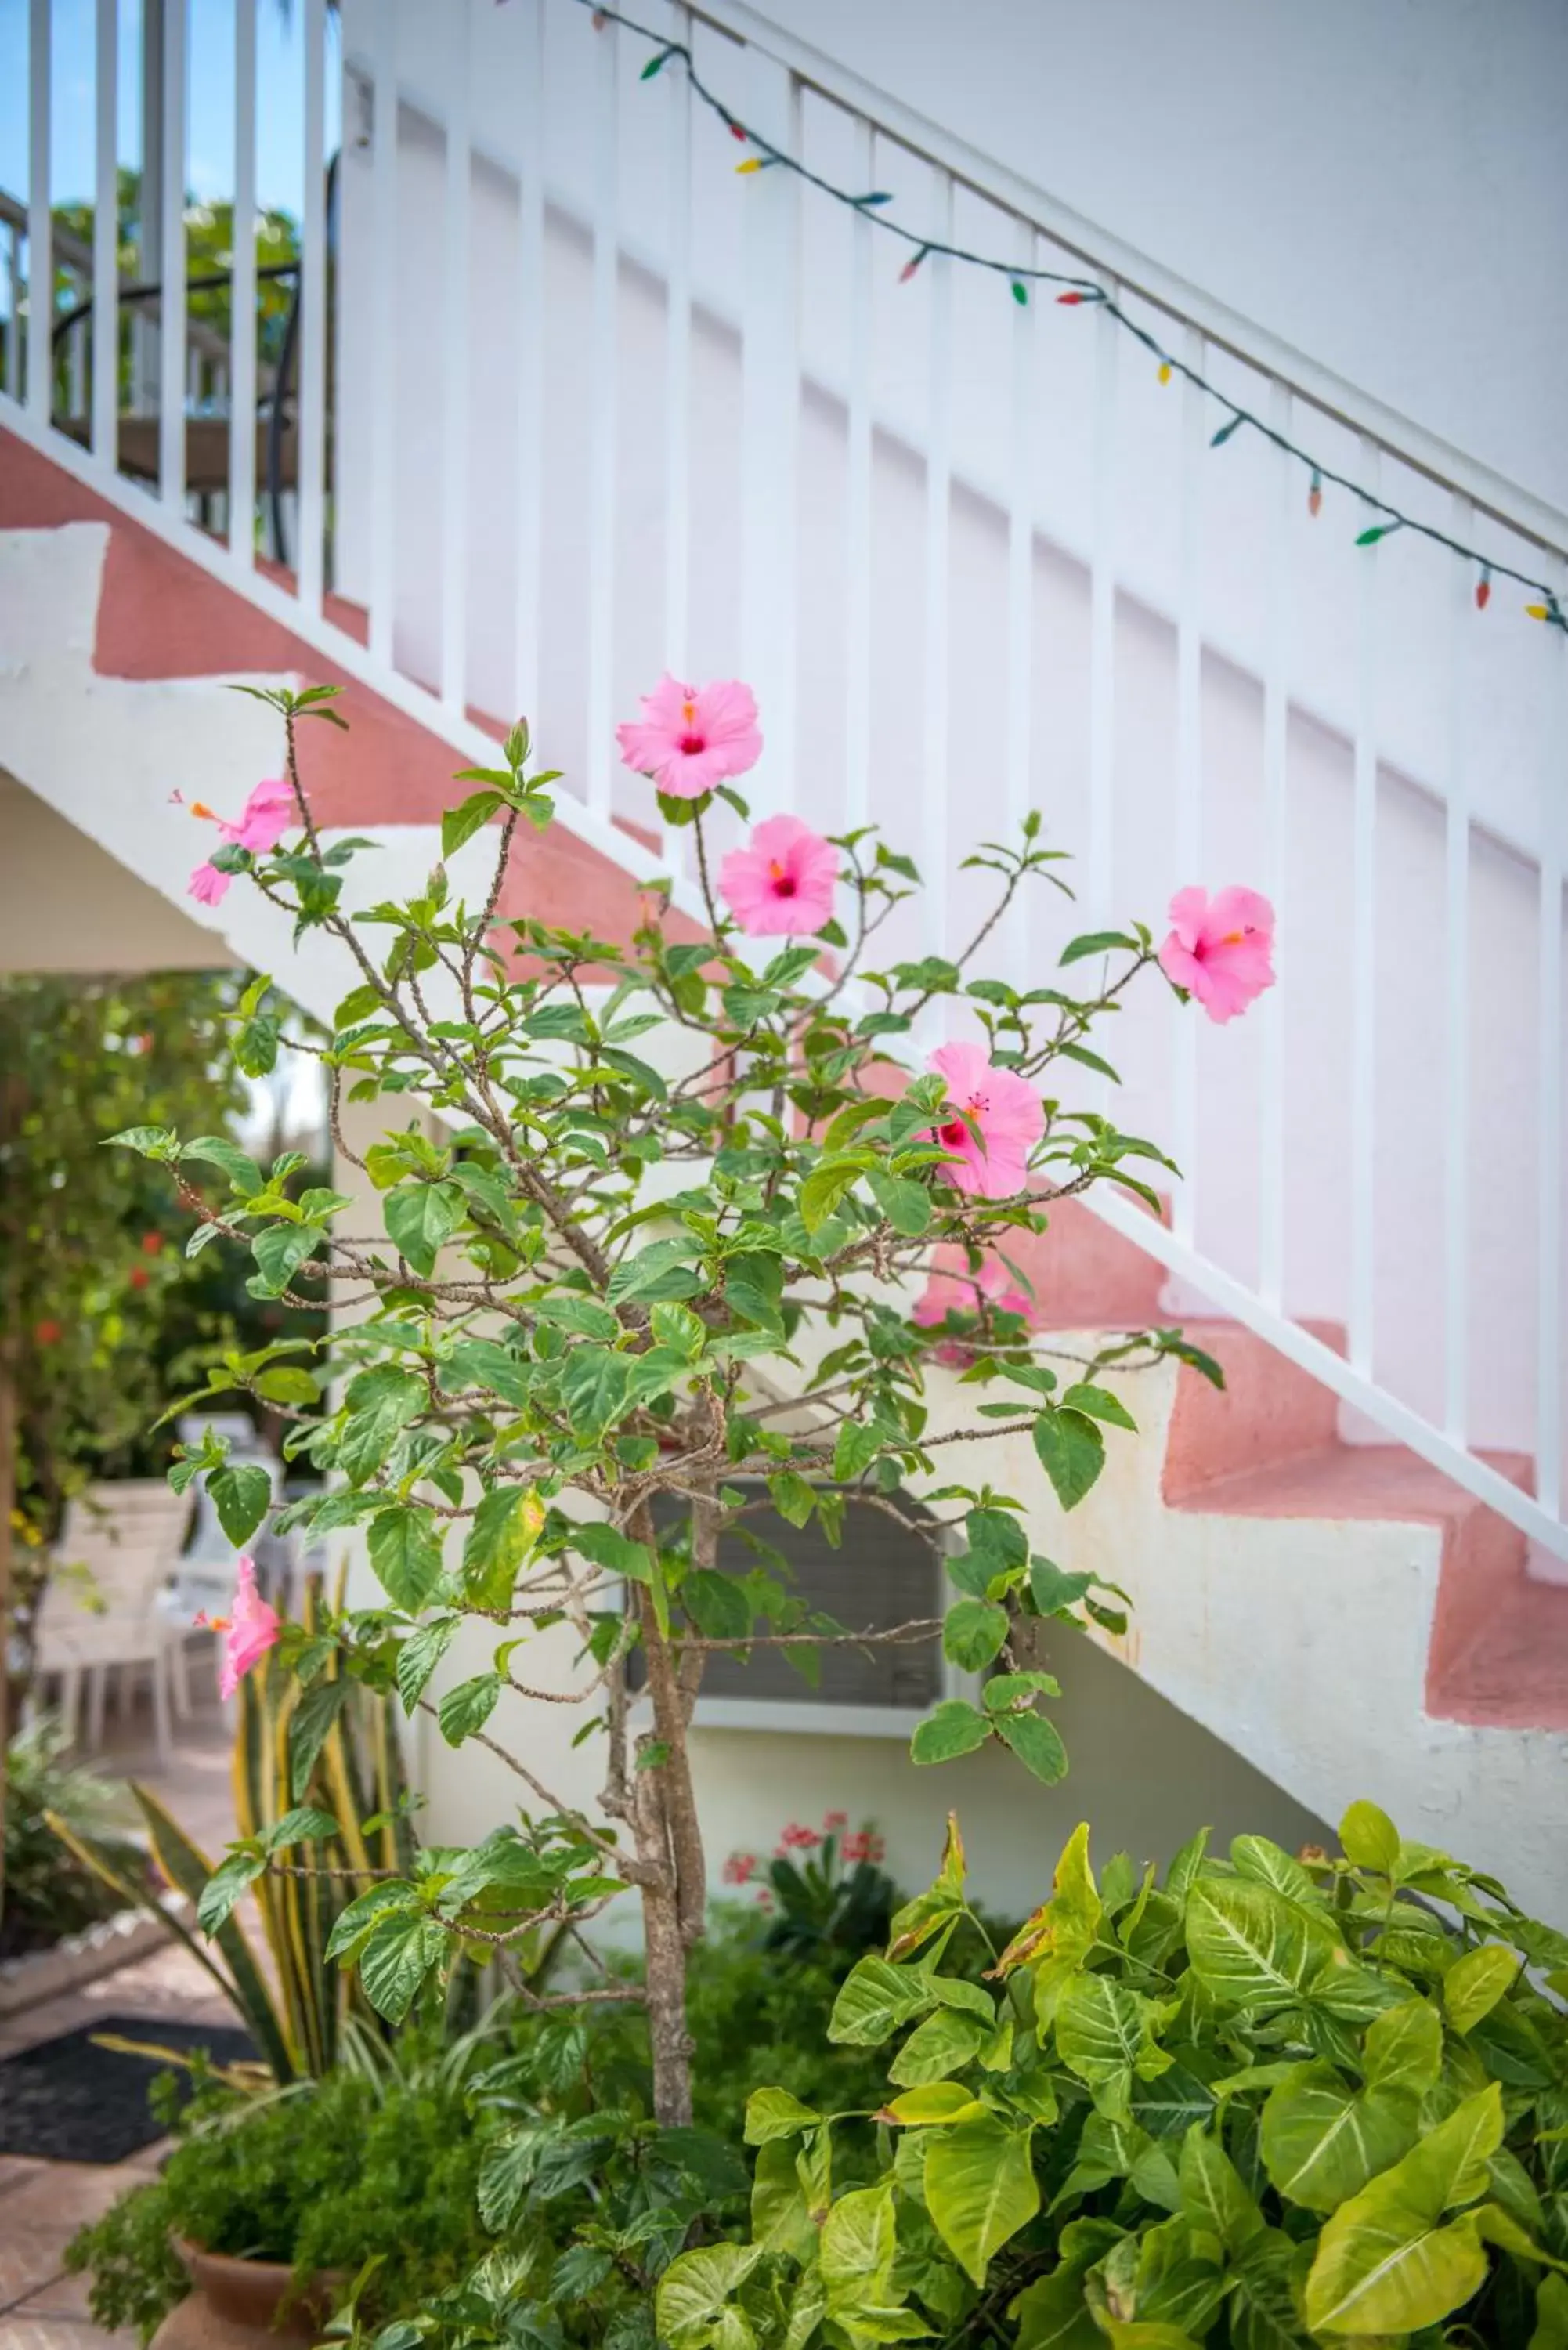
[871, 204]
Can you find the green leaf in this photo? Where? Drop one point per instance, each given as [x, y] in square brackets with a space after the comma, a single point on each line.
[1321, 2142]
[421, 1654]
[1104, 2033]
[856, 2253]
[242, 1496]
[781, 2216]
[824, 1188]
[1384, 2262]
[568, 1311]
[907, 1206]
[1403, 2048]
[1099, 1403]
[775, 2113]
[229, 1882]
[595, 1381]
[1370, 1838]
[159, 1142]
[973, 1633]
[1474, 1984]
[460, 822]
[1093, 943]
[405, 1552]
[312, 1720]
[717, 1604]
[1249, 1946]
[933, 2107]
[692, 2294]
[467, 1707]
[945, 2042]
[792, 1496]
[216, 1150]
[279, 1253]
[505, 1521]
[306, 1823]
[421, 1217]
[1072, 1452]
[396, 1959]
[661, 1271]
[952, 1728]
[287, 1383]
[980, 2189]
[1036, 1744]
[608, 1548]
[855, 1446]
[1212, 2193]
[875, 1999]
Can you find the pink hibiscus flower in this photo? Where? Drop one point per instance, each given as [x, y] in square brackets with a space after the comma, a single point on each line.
[782, 882]
[266, 815]
[1220, 948]
[957, 1290]
[1007, 1113]
[248, 1633]
[208, 886]
[691, 737]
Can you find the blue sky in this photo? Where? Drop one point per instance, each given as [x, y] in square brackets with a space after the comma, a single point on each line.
[210, 56]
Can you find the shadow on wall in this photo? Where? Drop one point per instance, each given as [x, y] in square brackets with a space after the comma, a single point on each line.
[1142, 1774]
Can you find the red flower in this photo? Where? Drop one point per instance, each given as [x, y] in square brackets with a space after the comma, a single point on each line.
[832, 1821]
[47, 1334]
[740, 1868]
[797, 1839]
[152, 1243]
[140, 1276]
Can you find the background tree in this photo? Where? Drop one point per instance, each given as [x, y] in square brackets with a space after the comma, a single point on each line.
[94, 1295]
[614, 1299]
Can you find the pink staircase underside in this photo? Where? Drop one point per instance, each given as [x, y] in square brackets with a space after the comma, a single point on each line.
[1268, 1446]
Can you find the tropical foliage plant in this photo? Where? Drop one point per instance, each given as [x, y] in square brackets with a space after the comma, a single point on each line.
[1264, 2101]
[50, 1895]
[322, 1761]
[604, 1282]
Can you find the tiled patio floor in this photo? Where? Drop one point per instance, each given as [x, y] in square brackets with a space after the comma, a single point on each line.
[42, 2204]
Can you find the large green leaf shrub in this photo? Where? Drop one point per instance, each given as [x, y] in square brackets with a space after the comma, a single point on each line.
[1265, 2103]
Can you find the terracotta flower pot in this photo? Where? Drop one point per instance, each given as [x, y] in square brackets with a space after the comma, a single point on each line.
[235, 2304]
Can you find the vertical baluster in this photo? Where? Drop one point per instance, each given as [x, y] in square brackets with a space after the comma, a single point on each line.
[1276, 736]
[1103, 618]
[384, 265]
[242, 517]
[602, 426]
[857, 499]
[312, 499]
[770, 404]
[456, 426]
[530, 357]
[1190, 760]
[1457, 999]
[678, 388]
[1364, 954]
[14, 313]
[106, 241]
[40, 236]
[935, 781]
[171, 264]
[1021, 597]
[1549, 1091]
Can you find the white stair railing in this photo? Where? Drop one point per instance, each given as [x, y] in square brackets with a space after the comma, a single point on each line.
[575, 402]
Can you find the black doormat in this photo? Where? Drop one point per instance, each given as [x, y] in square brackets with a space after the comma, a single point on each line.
[70, 2102]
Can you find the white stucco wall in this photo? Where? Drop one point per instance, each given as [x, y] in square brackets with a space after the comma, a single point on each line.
[1386, 186]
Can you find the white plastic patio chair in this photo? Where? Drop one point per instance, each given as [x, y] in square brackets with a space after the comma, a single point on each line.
[100, 1611]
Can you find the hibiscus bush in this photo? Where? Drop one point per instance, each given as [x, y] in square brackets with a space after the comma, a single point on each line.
[1267, 2102]
[668, 1262]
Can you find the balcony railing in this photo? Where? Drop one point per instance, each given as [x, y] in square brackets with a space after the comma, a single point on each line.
[567, 402]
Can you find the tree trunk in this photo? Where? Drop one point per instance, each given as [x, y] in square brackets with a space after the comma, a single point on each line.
[665, 1956]
[669, 1845]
